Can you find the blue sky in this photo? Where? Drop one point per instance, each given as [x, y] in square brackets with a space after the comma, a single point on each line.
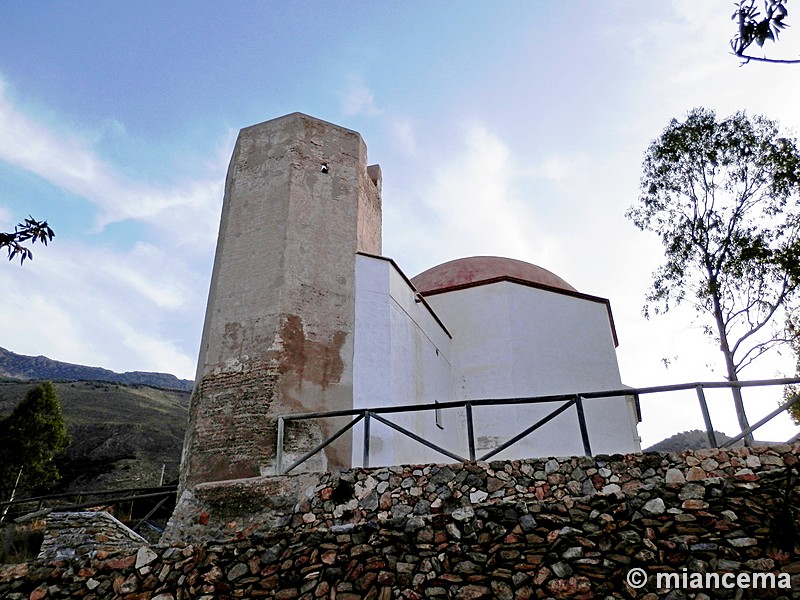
[513, 128]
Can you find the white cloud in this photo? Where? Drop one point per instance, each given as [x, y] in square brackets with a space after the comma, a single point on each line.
[556, 169]
[97, 306]
[144, 272]
[162, 355]
[479, 201]
[53, 327]
[560, 168]
[402, 133]
[358, 99]
[89, 302]
[68, 162]
[475, 198]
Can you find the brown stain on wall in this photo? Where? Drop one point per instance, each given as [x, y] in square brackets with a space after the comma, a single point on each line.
[233, 336]
[238, 417]
[303, 360]
[312, 361]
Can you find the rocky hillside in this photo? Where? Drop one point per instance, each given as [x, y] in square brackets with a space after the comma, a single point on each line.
[122, 434]
[18, 366]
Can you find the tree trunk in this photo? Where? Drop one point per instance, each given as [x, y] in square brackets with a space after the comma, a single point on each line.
[738, 404]
[730, 367]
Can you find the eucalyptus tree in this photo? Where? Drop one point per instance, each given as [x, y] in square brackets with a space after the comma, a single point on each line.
[723, 196]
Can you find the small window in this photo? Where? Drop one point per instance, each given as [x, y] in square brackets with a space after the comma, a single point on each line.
[438, 413]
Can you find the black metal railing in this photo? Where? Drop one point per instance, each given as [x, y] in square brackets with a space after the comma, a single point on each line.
[566, 401]
[148, 501]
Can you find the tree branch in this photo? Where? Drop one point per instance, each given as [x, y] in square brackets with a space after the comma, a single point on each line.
[760, 349]
[779, 61]
[766, 319]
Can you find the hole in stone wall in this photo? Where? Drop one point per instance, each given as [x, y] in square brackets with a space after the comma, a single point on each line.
[342, 492]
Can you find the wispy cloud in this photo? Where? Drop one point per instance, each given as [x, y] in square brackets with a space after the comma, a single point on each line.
[358, 99]
[94, 303]
[98, 306]
[480, 201]
[67, 161]
[475, 196]
[402, 132]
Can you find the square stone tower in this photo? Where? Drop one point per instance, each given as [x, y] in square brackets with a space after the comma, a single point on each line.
[299, 203]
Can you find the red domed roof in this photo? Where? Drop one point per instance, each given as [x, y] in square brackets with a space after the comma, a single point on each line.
[483, 269]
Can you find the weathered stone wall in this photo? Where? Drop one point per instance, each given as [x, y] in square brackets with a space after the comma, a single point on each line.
[514, 530]
[84, 534]
[227, 510]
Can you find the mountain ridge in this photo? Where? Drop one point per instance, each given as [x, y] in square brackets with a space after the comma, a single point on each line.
[36, 368]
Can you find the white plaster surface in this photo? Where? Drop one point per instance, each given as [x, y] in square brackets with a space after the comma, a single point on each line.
[401, 357]
[512, 340]
[508, 341]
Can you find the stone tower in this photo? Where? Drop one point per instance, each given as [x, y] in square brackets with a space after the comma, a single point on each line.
[299, 203]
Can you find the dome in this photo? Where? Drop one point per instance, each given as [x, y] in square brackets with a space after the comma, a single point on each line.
[484, 269]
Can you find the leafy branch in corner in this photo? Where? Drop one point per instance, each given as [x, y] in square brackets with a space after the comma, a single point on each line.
[755, 27]
[30, 230]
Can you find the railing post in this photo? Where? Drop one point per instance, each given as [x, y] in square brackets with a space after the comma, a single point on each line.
[279, 449]
[587, 448]
[470, 431]
[701, 396]
[365, 459]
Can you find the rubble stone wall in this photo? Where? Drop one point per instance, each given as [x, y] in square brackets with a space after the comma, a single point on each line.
[83, 534]
[235, 509]
[511, 531]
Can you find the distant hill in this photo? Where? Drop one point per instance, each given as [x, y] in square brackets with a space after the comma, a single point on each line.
[693, 440]
[41, 368]
[122, 435]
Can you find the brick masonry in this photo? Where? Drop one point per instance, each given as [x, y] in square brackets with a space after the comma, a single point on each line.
[542, 528]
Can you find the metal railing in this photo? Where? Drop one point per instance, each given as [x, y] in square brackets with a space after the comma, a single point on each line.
[567, 401]
[158, 496]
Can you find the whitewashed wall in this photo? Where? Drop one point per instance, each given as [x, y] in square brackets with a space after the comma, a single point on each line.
[401, 357]
[512, 340]
[508, 340]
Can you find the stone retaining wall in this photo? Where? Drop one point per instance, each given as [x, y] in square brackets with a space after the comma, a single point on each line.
[659, 514]
[235, 509]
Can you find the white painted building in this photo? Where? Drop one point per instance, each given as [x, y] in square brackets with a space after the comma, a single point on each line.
[483, 328]
[305, 317]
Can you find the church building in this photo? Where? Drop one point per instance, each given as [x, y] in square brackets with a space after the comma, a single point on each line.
[306, 315]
